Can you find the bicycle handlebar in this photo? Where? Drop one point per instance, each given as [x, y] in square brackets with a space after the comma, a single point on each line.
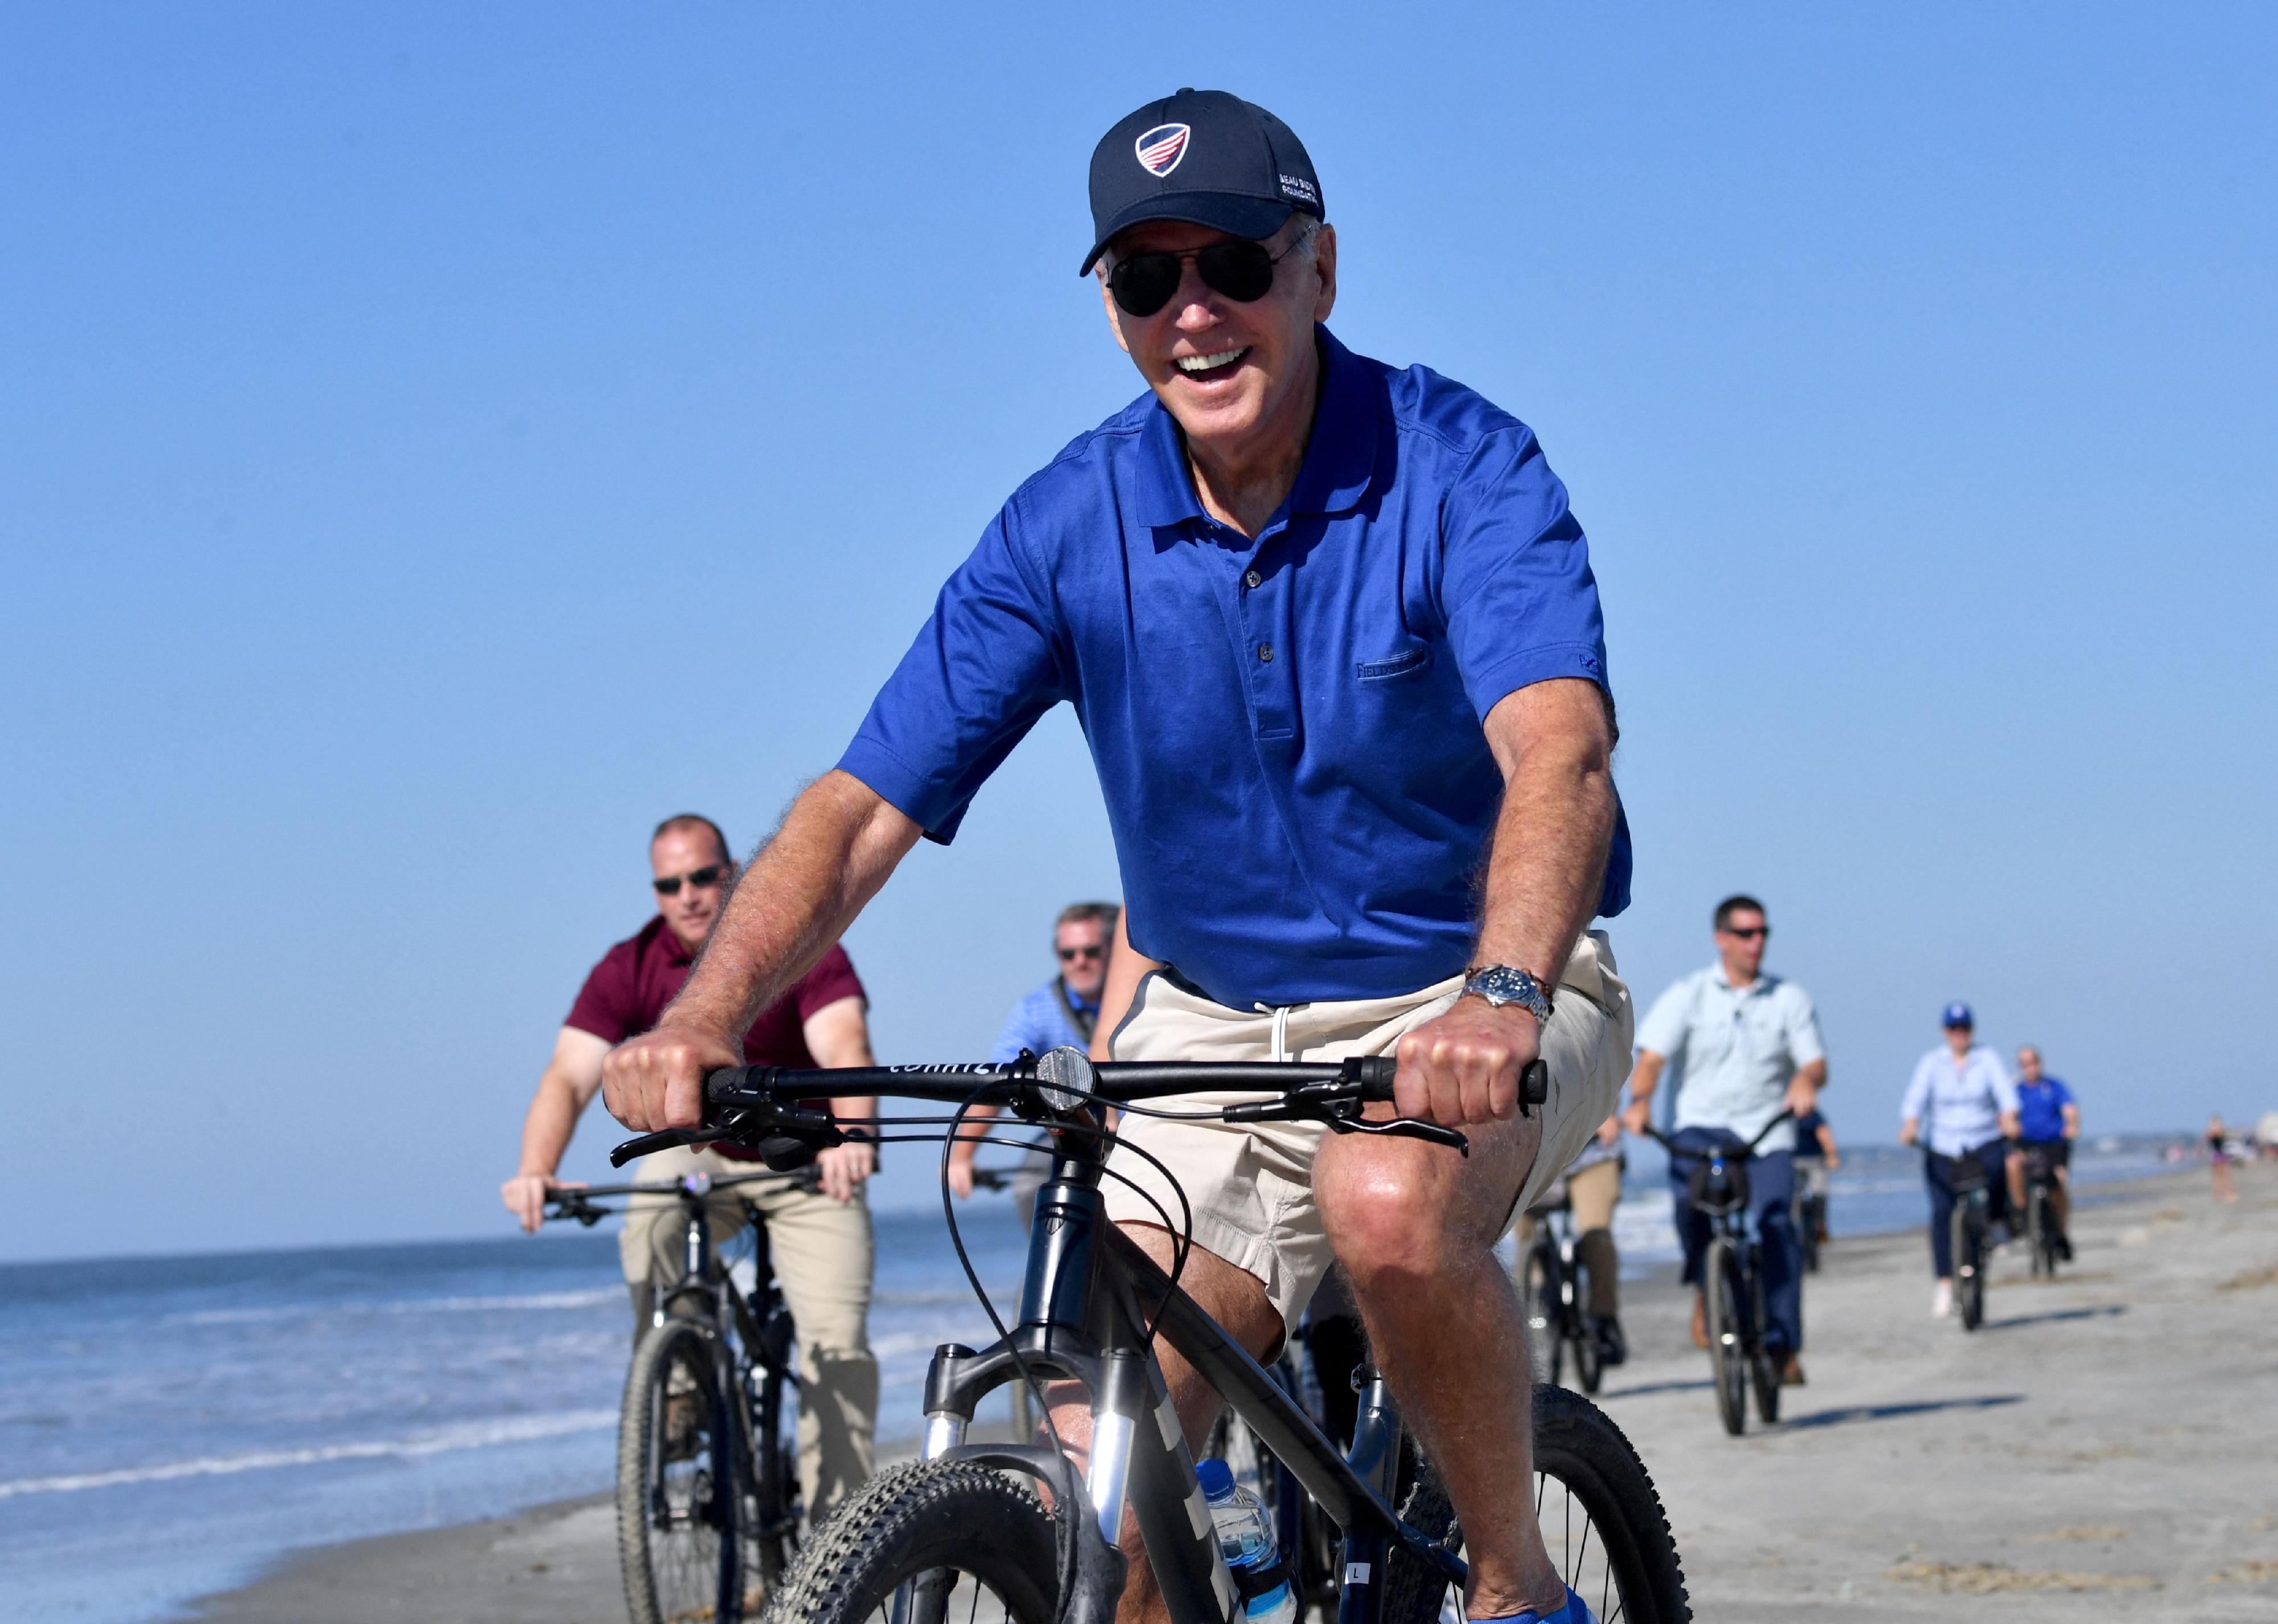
[757, 1105]
[577, 1200]
[1745, 1151]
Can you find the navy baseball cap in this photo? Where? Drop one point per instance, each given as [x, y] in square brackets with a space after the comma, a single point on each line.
[1203, 156]
[1957, 1014]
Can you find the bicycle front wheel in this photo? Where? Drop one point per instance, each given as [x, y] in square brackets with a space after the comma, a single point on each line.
[933, 1542]
[1728, 1354]
[1581, 1333]
[1969, 1265]
[1600, 1518]
[679, 1500]
[1545, 1310]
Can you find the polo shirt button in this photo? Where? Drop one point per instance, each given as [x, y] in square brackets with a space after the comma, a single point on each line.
[1252, 579]
[1265, 651]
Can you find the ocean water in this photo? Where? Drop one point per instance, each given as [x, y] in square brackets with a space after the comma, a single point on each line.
[169, 1426]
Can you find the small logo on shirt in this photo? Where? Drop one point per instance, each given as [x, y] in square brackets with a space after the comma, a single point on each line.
[1160, 149]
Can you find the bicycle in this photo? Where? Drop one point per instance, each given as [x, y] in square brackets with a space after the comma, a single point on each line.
[1091, 1306]
[1970, 1228]
[1557, 1294]
[1732, 1279]
[2044, 1236]
[707, 1481]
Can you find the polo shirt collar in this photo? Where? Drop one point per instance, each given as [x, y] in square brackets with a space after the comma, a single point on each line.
[676, 951]
[1340, 458]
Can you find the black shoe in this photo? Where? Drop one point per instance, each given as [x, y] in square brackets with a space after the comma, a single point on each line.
[1613, 1347]
[2064, 1248]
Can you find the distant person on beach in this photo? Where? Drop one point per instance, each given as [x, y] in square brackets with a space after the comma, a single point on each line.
[1817, 1156]
[1593, 1189]
[1747, 1047]
[1964, 1095]
[819, 1241]
[1064, 1012]
[1331, 634]
[2218, 1144]
[2048, 1121]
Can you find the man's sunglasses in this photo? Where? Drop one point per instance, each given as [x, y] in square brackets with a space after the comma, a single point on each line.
[1069, 954]
[1243, 271]
[703, 879]
[1751, 933]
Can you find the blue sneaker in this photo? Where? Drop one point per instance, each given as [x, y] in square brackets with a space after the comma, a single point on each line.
[1575, 1611]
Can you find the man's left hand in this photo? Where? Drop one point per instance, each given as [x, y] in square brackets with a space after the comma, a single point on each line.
[1802, 1095]
[1463, 1068]
[844, 1167]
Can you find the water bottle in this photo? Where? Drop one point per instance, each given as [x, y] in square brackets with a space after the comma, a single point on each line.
[1245, 1534]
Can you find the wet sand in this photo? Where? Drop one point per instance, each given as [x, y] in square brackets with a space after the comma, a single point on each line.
[2106, 1446]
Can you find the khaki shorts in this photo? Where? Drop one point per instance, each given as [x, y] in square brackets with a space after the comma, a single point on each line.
[1251, 1185]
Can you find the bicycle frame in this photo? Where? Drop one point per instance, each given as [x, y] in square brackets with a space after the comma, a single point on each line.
[1089, 1296]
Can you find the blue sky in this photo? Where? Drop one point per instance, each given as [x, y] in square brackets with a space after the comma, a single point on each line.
[435, 442]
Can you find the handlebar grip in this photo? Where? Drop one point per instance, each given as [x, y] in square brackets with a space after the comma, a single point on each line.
[1374, 1073]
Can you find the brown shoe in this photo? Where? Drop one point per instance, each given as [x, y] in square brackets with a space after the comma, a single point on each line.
[1792, 1372]
[1700, 1319]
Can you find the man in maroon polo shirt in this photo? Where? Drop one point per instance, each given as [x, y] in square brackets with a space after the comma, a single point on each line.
[820, 1243]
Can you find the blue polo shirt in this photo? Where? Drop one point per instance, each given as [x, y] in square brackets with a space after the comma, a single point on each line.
[2040, 1109]
[1288, 730]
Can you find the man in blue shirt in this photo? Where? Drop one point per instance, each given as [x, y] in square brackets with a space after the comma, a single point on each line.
[1063, 1011]
[1964, 1094]
[2048, 1121]
[1332, 634]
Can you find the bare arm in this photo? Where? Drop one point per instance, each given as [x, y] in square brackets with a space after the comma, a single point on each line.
[1803, 1088]
[2071, 1121]
[837, 847]
[565, 1088]
[1645, 1077]
[1126, 969]
[839, 1035]
[1544, 874]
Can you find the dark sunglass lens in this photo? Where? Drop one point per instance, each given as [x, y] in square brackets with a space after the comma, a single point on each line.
[703, 878]
[1143, 283]
[1243, 271]
[667, 887]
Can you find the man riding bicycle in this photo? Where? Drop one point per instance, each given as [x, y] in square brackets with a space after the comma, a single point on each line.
[2048, 1121]
[820, 1240]
[1964, 1093]
[1746, 1048]
[1333, 636]
[1065, 1010]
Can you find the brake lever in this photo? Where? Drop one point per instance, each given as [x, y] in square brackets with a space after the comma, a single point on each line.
[1403, 1127]
[1337, 1107]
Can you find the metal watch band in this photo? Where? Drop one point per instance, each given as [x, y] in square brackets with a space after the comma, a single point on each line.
[1501, 984]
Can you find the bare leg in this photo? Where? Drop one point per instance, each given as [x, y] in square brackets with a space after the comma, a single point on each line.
[1236, 1300]
[1415, 1227]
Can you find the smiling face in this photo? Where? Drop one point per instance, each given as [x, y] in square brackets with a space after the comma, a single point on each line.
[1740, 945]
[1239, 378]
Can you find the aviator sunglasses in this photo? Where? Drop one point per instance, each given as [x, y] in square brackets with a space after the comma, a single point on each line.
[703, 879]
[1243, 271]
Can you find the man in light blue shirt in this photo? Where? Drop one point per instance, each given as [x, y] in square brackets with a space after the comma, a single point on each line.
[1746, 1048]
[1964, 1095]
[1061, 1013]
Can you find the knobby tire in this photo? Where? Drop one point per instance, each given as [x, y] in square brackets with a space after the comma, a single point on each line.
[680, 1490]
[921, 1524]
[1602, 1521]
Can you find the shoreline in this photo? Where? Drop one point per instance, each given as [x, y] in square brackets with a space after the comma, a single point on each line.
[2078, 1445]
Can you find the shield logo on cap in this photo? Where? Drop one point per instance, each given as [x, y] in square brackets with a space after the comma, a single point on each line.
[1160, 149]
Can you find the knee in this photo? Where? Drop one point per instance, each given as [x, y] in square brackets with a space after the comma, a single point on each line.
[1387, 1239]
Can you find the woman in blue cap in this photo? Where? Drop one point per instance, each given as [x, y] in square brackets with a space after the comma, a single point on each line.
[1965, 1092]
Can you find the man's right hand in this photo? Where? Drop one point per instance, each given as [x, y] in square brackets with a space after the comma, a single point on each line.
[1638, 1116]
[656, 1081]
[524, 1195]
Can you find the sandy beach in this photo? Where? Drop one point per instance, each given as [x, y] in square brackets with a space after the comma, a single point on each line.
[2105, 1444]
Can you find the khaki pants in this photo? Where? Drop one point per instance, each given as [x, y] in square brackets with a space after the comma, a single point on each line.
[822, 1254]
[1251, 1185]
[1592, 1194]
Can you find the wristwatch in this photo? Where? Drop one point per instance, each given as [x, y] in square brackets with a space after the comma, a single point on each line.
[1500, 984]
